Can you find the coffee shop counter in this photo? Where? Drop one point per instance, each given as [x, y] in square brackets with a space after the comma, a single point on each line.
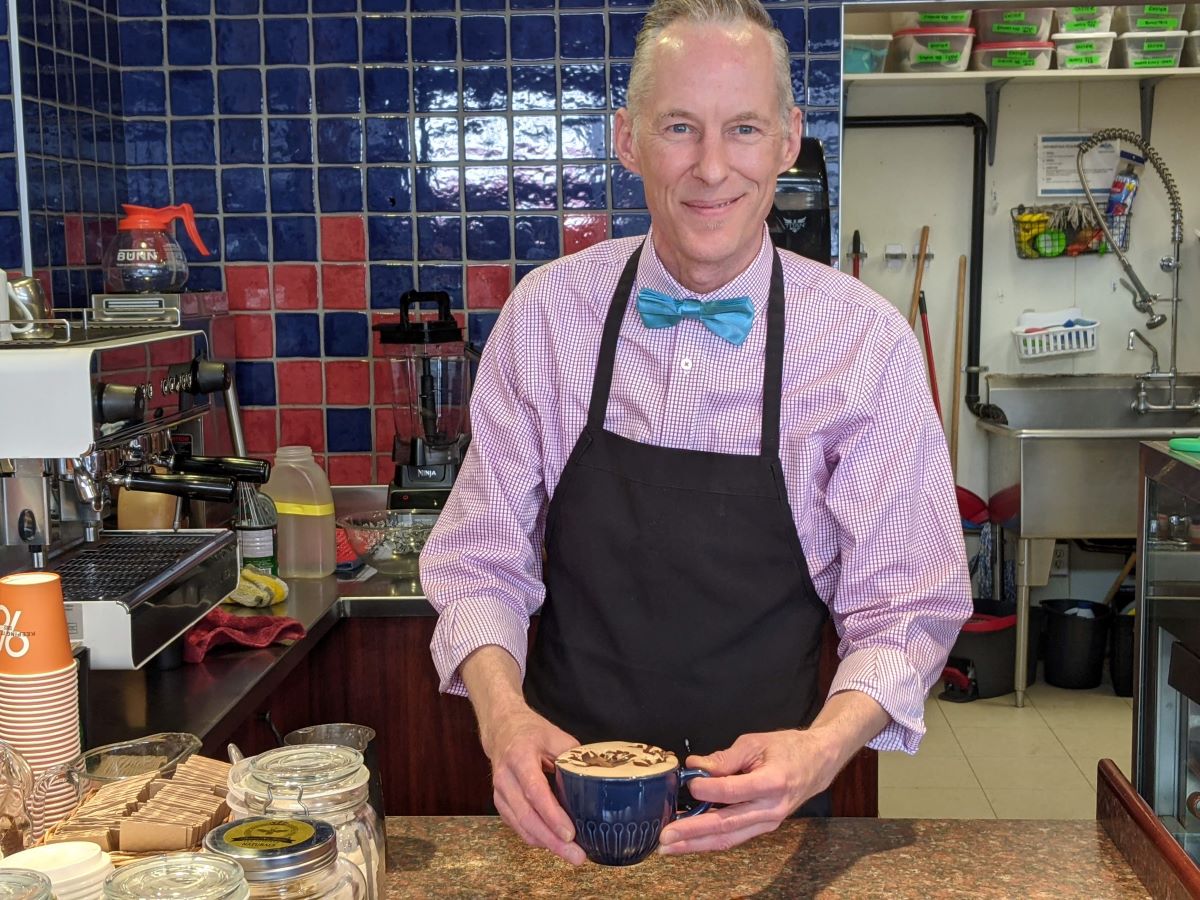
[477, 856]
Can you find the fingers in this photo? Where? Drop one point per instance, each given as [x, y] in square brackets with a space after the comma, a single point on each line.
[721, 829]
[526, 803]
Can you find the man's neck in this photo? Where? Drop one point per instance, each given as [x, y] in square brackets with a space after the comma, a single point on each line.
[702, 279]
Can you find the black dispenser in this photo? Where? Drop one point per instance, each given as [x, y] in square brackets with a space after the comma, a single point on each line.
[799, 219]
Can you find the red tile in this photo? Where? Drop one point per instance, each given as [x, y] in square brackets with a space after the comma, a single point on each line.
[383, 381]
[248, 287]
[295, 287]
[75, 244]
[354, 468]
[385, 431]
[385, 468]
[344, 287]
[93, 242]
[302, 428]
[254, 335]
[580, 232]
[224, 341]
[343, 239]
[348, 382]
[261, 430]
[301, 382]
[378, 350]
[488, 286]
[166, 353]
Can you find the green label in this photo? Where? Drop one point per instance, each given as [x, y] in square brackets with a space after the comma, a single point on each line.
[951, 18]
[1151, 46]
[1081, 11]
[1013, 62]
[1159, 62]
[938, 45]
[1014, 29]
[1016, 15]
[1084, 47]
[1082, 25]
[938, 58]
[1156, 10]
[1079, 62]
[1167, 23]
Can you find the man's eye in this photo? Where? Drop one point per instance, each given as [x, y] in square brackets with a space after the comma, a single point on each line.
[746, 130]
[678, 128]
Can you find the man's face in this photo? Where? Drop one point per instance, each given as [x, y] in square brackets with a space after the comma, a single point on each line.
[709, 145]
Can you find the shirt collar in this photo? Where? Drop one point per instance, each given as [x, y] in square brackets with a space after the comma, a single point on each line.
[753, 282]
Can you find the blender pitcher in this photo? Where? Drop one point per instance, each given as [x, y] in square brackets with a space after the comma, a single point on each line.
[430, 365]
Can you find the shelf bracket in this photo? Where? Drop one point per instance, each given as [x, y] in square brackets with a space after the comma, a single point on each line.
[1146, 88]
[992, 88]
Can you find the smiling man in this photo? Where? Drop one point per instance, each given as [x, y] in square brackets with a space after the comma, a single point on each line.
[718, 445]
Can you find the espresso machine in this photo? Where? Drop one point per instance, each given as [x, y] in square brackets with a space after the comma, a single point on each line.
[431, 367]
[98, 404]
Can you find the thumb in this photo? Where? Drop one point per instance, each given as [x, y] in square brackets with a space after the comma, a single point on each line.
[731, 761]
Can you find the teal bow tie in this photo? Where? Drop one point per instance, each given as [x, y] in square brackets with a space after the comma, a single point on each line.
[729, 319]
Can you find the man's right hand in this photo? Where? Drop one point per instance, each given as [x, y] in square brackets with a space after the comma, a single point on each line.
[522, 747]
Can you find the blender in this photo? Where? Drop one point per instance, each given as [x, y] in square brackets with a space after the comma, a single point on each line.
[430, 363]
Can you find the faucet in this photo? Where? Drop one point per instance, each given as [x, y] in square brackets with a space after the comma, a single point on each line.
[1134, 333]
[1143, 300]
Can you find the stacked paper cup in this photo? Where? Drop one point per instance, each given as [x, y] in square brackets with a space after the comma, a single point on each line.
[39, 692]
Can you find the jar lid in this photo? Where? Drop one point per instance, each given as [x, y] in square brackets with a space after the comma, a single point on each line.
[293, 777]
[24, 884]
[179, 876]
[270, 848]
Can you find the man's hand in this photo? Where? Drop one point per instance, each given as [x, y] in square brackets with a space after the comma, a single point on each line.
[763, 778]
[522, 747]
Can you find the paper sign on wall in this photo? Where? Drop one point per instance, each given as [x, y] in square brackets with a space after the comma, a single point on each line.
[1056, 173]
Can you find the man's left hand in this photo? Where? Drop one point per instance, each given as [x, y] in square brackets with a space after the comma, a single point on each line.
[762, 779]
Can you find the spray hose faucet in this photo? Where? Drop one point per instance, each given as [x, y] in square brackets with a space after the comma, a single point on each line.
[1135, 334]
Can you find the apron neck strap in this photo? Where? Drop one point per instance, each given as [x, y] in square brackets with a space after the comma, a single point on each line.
[772, 368]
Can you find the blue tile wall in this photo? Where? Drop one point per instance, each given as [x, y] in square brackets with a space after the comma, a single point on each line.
[456, 134]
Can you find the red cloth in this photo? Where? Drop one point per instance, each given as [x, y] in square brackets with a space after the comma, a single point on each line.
[221, 627]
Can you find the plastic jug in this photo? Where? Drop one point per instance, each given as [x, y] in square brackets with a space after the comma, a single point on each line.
[305, 535]
[144, 257]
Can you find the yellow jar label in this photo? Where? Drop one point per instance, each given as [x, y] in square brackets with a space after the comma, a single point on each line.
[269, 834]
[304, 509]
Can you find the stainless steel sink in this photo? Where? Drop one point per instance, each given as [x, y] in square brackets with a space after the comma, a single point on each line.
[1066, 464]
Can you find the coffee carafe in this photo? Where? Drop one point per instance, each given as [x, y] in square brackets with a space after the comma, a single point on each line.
[144, 257]
[430, 364]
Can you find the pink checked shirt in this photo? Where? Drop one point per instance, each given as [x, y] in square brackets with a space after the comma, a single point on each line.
[864, 457]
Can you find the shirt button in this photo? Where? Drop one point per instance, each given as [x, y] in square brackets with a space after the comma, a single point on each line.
[685, 364]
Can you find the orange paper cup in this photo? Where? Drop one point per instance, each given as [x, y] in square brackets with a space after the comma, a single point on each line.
[33, 624]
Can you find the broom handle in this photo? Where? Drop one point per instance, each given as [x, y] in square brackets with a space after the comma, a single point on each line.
[916, 294]
[955, 398]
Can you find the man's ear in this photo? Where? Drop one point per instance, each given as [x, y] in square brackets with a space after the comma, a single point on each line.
[624, 143]
[791, 146]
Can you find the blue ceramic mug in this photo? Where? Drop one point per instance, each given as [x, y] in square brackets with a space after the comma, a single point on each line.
[620, 795]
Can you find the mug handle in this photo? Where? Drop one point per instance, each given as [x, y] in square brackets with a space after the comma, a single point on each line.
[685, 776]
[15, 302]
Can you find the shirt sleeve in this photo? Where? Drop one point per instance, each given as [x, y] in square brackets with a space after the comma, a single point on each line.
[903, 591]
[481, 568]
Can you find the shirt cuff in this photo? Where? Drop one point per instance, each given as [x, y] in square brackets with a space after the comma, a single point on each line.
[887, 677]
[468, 624]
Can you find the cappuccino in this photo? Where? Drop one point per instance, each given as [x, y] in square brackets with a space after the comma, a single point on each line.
[617, 759]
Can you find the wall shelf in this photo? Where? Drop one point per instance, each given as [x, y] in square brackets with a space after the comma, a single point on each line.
[993, 82]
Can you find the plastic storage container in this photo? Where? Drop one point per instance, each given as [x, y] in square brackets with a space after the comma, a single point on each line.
[1083, 19]
[994, 26]
[1076, 638]
[322, 780]
[1148, 49]
[196, 876]
[305, 534]
[863, 54]
[1191, 49]
[1012, 55]
[1083, 51]
[1149, 18]
[290, 858]
[932, 49]
[928, 18]
[24, 884]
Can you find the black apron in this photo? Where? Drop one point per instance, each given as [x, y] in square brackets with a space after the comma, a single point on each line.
[679, 610]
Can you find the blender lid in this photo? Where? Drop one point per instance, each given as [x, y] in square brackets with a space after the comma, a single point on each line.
[442, 330]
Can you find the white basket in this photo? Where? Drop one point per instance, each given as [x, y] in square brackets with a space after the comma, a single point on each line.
[1054, 341]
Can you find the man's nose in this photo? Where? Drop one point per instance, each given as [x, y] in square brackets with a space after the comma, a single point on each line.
[712, 160]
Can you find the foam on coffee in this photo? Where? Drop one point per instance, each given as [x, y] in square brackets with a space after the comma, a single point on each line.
[618, 759]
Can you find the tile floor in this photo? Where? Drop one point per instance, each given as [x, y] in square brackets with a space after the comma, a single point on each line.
[989, 760]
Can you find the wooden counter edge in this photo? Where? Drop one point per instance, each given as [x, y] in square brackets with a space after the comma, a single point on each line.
[1156, 858]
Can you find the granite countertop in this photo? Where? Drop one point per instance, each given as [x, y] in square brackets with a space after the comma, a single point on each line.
[477, 856]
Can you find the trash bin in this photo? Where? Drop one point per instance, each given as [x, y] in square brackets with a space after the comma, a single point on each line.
[986, 648]
[1076, 639]
[1120, 651]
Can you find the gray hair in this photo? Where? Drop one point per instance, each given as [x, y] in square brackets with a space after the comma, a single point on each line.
[724, 12]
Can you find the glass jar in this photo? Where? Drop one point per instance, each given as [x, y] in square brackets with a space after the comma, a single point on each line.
[288, 858]
[324, 781]
[24, 884]
[178, 876]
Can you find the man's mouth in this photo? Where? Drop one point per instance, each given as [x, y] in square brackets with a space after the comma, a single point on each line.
[711, 205]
